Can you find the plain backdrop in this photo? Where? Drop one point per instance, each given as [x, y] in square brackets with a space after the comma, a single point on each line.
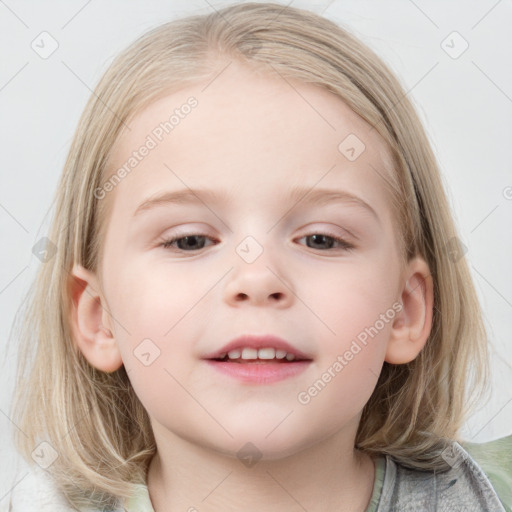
[452, 57]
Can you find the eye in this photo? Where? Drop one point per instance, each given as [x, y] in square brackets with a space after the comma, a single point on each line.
[326, 241]
[186, 242]
[195, 242]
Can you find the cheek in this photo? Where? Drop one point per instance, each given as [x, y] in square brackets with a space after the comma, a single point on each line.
[355, 311]
[155, 317]
[351, 298]
[357, 306]
[357, 314]
[154, 302]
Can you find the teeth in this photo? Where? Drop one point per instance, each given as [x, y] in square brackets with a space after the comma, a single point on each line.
[262, 353]
[249, 353]
[266, 353]
[280, 354]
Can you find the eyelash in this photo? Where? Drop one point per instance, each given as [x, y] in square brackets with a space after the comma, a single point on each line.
[345, 246]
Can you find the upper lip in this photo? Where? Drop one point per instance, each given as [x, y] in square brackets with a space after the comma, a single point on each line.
[258, 341]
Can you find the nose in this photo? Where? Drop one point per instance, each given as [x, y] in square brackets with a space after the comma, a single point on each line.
[259, 283]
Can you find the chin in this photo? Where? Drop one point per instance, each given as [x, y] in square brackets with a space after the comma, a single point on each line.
[252, 443]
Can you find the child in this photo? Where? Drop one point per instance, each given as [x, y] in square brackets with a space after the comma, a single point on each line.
[259, 370]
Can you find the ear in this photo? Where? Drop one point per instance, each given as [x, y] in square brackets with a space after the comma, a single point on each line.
[412, 326]
[90, 322]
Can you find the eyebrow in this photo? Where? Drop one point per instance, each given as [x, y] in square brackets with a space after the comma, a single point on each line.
[303, 195]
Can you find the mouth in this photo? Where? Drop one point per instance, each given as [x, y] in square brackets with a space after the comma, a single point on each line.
[263, 355]
[254, 347]
[259, 359]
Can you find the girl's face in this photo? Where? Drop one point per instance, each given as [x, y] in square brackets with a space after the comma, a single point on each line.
[260, 259]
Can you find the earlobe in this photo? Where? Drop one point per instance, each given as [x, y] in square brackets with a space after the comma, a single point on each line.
[411, 328]
[90, 322]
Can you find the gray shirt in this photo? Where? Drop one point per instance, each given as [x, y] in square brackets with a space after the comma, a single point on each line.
[464, 487]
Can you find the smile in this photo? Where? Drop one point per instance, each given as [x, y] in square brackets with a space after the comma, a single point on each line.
[255, 355]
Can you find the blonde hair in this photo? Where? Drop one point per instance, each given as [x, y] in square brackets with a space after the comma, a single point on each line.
[94, 419]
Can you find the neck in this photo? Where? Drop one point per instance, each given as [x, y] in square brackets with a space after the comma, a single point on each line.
[330, 475]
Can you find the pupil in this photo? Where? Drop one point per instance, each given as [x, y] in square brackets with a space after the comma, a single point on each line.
[316, 237]
[188, 241]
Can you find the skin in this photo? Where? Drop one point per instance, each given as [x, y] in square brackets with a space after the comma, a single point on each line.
[254, 137]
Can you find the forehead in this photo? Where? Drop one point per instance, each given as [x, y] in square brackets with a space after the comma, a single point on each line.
[247, 130]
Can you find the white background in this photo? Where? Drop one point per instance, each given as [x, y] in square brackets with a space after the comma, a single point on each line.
[465, 104]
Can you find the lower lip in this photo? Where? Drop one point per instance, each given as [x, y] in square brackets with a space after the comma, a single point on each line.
[261, 372]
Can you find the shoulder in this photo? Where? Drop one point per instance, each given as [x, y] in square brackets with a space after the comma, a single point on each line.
[464, 486]
[495, 459]
[32, 489]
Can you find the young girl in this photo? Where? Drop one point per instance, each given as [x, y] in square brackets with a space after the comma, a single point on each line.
[321, 346]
